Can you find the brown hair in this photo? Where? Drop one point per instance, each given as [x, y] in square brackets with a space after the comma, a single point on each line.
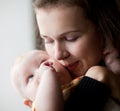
[104, 14]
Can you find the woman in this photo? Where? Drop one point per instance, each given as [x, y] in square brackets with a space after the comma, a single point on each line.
[80, 34]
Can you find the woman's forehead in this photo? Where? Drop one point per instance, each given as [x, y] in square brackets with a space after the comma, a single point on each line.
[60, 20]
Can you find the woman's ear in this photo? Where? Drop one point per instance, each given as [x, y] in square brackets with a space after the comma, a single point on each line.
[28, 102]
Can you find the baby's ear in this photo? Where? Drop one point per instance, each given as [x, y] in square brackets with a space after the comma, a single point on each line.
[28, 102]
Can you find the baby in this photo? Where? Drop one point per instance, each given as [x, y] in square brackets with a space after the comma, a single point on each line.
[34, 74]
[31, 74]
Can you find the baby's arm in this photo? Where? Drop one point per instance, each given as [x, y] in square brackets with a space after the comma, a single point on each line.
[49, 96]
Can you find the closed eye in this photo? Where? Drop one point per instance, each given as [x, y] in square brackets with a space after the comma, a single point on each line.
[71, 38]
[30, 78]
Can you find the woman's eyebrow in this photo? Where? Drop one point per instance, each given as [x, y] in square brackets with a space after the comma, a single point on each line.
[43, 36]
[62, 34]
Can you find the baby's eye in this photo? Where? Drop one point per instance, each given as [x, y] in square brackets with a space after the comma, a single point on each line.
[71, 38]
[30, 78]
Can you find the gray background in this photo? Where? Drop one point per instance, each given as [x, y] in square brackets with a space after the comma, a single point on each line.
[16, 37]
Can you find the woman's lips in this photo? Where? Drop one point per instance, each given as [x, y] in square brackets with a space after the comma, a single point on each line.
[72, 66]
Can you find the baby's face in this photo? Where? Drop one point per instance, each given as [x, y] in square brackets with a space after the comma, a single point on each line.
[28, 78]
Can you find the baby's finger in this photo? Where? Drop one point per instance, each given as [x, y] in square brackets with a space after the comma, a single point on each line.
[48, 63]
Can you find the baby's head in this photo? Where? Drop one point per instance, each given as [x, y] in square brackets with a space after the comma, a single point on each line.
[25, 77]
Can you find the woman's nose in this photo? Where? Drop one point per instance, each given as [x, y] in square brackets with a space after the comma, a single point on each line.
[60, 52]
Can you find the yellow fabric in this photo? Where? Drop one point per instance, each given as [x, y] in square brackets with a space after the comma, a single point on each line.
[69, 88]
[33, 107]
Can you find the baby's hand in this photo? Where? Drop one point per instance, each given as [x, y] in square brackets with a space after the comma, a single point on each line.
[46, 67]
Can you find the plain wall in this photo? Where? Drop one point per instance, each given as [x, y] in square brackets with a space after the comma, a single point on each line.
[16, 37]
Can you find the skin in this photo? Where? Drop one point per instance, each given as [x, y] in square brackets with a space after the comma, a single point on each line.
[28, 73]
[112, 60]
[76, 45]
[49, 96]
[75, 42]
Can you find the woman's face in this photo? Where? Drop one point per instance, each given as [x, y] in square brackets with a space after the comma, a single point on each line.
[70, 38]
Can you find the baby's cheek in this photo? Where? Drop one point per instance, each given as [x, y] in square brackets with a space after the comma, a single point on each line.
[62, 73]
[65, 77]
